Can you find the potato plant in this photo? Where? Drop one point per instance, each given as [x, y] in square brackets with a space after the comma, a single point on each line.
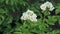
[45, 21]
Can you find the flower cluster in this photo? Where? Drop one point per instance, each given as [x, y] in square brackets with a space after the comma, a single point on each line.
[47, 5]
[29, 15]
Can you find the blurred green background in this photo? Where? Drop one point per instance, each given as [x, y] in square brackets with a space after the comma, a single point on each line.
[11, 11]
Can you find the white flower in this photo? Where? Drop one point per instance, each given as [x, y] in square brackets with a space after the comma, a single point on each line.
[50, 6]
[29, 15]
[33, 17]
[47, 5]
[29, 12]
[43, 7]
[25, 16]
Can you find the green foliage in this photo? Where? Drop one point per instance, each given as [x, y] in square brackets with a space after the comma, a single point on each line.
[11, 11]
[58, 8]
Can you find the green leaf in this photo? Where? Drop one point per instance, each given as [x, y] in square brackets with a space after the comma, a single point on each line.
[1, 19]
[54, 32]
[2, 11]
[58, 8]
[51, 20]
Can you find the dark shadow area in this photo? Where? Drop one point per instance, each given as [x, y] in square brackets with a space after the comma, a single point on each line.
[14, 14]
[38, 17]
[34, 33]
[1, 32]
[57, 1]
[56, 26]
[13, 24]
[31, 1]
[45, 32]
[46, 17]
[58, 14]
[20, 21]
[52, 13]
[3, 28]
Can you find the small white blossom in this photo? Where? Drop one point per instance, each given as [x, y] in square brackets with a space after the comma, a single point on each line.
[29, 12]
[43, 7]
[33, 17]
[47, 5]
[29, 15]
[24, 17]
[52, 8]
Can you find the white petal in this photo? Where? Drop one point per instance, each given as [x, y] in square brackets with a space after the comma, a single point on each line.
[43, 7]
[47, 5]
[50, 6]
[33, 17]
[51, 9]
